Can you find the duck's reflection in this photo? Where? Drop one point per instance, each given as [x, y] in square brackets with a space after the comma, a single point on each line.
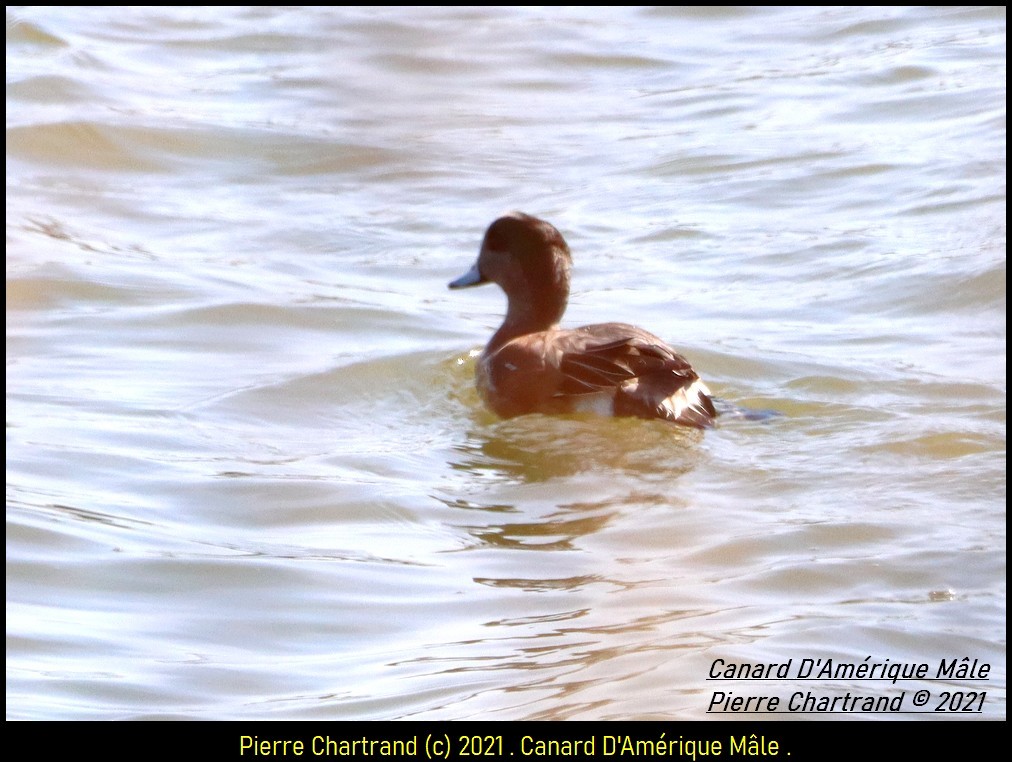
[543, 482]
[537, 448]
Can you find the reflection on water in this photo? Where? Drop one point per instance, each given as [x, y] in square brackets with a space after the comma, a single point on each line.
[248, 474]
[541, 448]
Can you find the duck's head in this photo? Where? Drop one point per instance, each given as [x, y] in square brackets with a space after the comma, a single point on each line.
[529, 259]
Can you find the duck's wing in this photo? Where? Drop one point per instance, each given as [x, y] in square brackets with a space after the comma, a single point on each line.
[647, 377]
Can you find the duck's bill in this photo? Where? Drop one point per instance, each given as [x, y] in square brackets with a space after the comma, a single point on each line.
[472, 277]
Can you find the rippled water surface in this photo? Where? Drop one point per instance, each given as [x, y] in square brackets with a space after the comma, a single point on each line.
[247, 472]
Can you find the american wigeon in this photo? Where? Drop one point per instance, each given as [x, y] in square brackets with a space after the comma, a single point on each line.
[533, 366]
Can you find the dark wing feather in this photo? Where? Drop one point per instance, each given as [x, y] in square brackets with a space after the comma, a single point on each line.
[593, 360]
[590, 372]
[646, 375]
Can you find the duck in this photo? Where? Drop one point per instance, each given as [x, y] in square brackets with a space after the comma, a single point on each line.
[532, 365]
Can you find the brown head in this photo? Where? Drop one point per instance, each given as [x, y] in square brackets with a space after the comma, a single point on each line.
[529, 259]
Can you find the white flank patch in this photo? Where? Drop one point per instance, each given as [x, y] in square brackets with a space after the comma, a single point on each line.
[597, 404]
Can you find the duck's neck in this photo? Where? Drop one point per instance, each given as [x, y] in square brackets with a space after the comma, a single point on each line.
[531, 313]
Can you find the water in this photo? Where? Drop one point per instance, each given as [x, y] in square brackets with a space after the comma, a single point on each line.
[247, 471]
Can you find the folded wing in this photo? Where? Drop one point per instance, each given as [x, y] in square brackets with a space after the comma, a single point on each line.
[648, 378]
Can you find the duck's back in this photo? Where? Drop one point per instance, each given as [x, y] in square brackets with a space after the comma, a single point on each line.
[610, 368]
